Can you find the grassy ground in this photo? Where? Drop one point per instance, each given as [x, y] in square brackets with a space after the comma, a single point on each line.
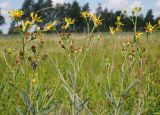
[92, 83]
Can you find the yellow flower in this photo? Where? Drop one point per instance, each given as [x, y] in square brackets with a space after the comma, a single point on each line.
[150, 28]
[138, 35]
[118, 18]
[159, 23]
[26, 25]
[50, 26]
[99, 36]
[86, 14]
[97, 21]
[112, 30]
[16, 14]
[119, 23]
[35, 17]
[68, 21]
[33, 80]
[10, 50]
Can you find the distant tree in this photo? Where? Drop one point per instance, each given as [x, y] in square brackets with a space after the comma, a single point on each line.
[128, 25]
[99, 10]
[12, 29]
[60, 13]
[140, 22]
[156, 20]
[45, 10]
[86, 7]
[28, 6]
[75, 13]
[83, 22]
[149, 17]
[105, 15]
[2, 20]
[50, 11]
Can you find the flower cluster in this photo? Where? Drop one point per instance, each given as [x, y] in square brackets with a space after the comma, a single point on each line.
[50, 26]
[159, 23]
[68, 22]
[130, 51]
[16, 14]
[117, 29]
[97, 21]
[135, 10]
[150, 28]
[88, 17]
[138, 35]
[36, 18]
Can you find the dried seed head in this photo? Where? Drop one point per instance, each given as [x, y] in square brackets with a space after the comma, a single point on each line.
[41, 43]
[34, 65]
[91, 37]
[60, 42]
[99, 36]
[71, 43]
[33, 48]
[75, 51]
[21, 54]
[44, 57]
[18, 61]
[30, 58]
[80, 50]
[33, 80]
[130, 56]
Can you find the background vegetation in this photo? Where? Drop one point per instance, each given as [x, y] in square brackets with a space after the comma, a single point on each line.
[46, 9]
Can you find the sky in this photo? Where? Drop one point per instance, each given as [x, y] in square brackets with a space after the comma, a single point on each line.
[114, 5]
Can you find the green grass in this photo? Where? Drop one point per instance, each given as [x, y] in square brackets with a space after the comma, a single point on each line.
[92, 80]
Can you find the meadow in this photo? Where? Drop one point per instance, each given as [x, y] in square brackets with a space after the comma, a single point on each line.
[92, 81]
[90, 73]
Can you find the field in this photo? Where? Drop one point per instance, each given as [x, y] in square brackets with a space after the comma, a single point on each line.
[116, 76]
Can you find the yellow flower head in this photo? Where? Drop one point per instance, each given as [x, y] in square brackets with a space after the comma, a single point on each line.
[10, 50]
[50, 26]
[159, 23]
[97, 21]
[150, 28]
[86, 14]
[118, 29]
[16, 14]
[68, 21]
[35, 17]
[118, 22]
[112, 30]
[118, 18]
[138, 35]
[26, 25]
[33, 81]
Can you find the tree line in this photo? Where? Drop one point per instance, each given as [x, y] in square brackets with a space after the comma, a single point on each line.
[50, 12]
[2, 20]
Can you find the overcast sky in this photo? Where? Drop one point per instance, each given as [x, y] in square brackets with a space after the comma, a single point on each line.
[114, 5]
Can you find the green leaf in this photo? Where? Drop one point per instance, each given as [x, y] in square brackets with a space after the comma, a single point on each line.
[19, 111]
[129, 87]
[70, 76]
[81, 105]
